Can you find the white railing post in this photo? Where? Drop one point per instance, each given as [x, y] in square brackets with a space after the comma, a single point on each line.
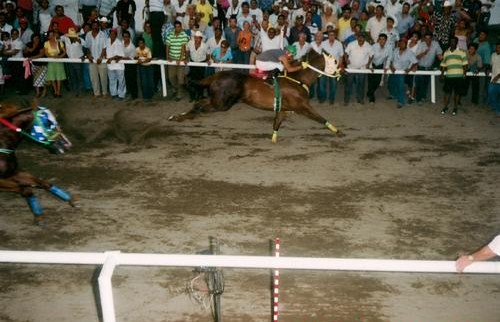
[106, 287]
[433, 89]
[163, 80]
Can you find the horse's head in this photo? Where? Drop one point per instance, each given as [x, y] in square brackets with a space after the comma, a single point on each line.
[45, 130]
[37, 123]
[323, 64]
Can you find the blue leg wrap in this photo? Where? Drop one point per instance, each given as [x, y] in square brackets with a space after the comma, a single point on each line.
[35, 206]
[59, 193]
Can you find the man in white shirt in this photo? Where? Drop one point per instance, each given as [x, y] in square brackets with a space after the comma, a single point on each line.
[74, 49]
[114, 52]
[334, 48]
[197, 51]
[358, 55]
[95, 41]
[494, 86]
[376, 23]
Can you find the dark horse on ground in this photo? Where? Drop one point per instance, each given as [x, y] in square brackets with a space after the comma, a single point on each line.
[39, 125]
[226, 88]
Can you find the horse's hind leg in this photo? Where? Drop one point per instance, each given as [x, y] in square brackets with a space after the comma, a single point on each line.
[278, 118]
[309, 112]
[200, 106]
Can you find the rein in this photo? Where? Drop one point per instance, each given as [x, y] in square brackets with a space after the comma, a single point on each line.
[304, 86]
[20, 131]
[307, 65]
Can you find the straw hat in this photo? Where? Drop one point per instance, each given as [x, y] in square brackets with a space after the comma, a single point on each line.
[71, 33]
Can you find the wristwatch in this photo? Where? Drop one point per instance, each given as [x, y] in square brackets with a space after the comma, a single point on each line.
[471, 258]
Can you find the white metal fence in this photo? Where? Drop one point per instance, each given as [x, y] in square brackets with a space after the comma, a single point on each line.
[111, 259]
[433, 74]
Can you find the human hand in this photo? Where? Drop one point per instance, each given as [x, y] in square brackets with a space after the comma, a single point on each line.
[99, 60]
[462, 262]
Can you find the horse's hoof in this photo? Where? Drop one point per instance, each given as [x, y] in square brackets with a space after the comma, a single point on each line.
[340, 134]
[40, 221]
[172, 118]
[74, 203]
[274, 138]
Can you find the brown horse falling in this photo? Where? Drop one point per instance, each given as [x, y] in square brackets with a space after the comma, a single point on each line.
[12, 179]
[229, 87]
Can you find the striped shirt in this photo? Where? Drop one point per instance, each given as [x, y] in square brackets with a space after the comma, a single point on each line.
[175, 44]
[454, 62]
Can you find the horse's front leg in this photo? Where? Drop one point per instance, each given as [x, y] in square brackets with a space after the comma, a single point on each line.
[309, 112]
[278, 118]
[27, 179]
[200, 106]
[12, 185]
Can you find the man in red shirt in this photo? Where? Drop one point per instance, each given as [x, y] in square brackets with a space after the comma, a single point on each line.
[64, 22]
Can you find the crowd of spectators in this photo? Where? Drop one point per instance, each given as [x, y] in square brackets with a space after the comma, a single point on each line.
[393, 35]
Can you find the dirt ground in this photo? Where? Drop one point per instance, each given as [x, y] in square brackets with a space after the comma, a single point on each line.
[402, 184]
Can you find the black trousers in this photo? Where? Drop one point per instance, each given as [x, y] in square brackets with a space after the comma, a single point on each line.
[131, 80]
[373, 83]
[473, 82]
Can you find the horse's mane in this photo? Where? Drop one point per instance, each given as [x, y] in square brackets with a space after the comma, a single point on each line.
[308, 76]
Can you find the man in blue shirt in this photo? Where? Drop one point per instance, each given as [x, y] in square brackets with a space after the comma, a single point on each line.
[381, 55]
[405, 60]
[427, 52]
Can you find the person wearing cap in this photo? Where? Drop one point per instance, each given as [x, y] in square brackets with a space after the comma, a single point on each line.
[328, 18]
[277, 60]
[104, 26]
[197, 51]
[25, 31]
[328, 85]
[113, 53]
[273, 16]
[64, 21]
[74, 49]
[176, 44]
[454, 63]
[298, 28]
[444, 25]
[487, 252]
[494, 86]
[358, 55]
[402, 59]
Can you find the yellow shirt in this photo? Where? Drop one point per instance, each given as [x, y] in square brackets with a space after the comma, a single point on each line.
[206, 9]
[52, 52]
[343, 24]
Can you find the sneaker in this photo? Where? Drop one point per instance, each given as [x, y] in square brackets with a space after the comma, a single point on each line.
[444, 111]
[454, 112]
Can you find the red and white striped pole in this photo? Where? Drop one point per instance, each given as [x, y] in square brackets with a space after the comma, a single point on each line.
[276, 283]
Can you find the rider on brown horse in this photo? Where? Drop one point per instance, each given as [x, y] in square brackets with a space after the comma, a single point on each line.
[277, 60]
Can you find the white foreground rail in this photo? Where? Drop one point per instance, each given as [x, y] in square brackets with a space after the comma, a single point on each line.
[432, 73]
[110, 260]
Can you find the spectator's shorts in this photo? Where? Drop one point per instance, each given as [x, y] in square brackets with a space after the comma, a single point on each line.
[455, 85]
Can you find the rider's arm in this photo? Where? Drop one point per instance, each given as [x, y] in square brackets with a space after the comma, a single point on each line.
[289, 68]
